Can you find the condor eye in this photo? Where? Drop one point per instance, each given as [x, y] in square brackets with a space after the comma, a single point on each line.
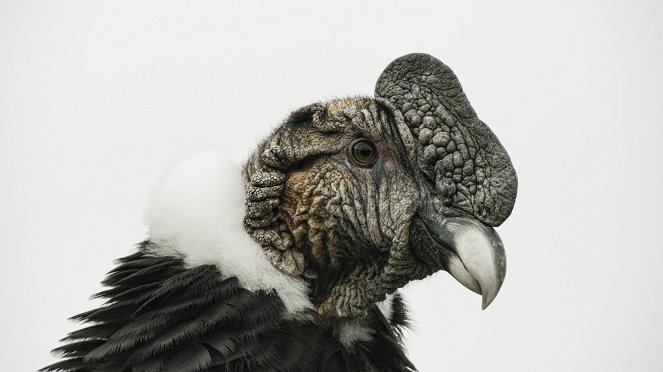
[363, 152]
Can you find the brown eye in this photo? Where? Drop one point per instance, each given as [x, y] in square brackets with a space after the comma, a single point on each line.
[363, 152]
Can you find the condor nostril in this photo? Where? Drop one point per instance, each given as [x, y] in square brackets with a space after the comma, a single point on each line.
[481, 211]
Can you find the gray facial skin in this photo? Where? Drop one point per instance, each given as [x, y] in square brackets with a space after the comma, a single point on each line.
[357, 232]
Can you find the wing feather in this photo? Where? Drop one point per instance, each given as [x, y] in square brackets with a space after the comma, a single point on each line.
[161, 315]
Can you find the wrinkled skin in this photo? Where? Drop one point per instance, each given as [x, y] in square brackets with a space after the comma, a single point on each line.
[420, 194]
[349, 218]
[359, 232]
[460, 155]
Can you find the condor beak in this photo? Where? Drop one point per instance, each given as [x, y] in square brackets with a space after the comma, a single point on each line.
[466, 248]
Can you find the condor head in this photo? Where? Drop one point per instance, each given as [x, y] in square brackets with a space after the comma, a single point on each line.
[360, 196]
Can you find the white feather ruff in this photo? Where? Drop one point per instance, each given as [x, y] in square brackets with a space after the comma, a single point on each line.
[197, 212]
[350, 332]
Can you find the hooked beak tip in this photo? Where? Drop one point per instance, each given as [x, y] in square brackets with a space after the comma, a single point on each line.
[470, 251]
[486, 299]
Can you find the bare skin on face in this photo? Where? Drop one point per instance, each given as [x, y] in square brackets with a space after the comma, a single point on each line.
[337, 224]
[348, 201]
[360, 196]
[346, 218]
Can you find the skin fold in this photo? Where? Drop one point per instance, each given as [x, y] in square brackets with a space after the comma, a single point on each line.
[346, 227]
[348, 201]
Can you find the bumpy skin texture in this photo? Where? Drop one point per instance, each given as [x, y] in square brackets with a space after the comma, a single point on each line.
[345, 227]
[460, 155]
[320, 215]
[341, 225]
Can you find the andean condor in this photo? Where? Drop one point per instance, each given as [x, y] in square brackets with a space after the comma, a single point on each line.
[293, 262]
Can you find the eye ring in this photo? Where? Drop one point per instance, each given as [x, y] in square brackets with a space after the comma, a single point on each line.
[363, 152]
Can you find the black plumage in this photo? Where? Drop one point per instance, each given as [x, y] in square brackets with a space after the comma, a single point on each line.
[162, 316]
[344, 203]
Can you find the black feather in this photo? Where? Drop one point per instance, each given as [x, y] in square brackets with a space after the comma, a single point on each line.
[77, 349]
[67, 365]
[399, 319]
[191, 359]
[98, 331]
[117, 294]
[162, 316]
[152, 365]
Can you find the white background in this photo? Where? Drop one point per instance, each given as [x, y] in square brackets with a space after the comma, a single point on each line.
[98, 98]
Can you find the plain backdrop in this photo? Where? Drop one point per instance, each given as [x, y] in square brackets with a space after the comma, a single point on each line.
[97, 98]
